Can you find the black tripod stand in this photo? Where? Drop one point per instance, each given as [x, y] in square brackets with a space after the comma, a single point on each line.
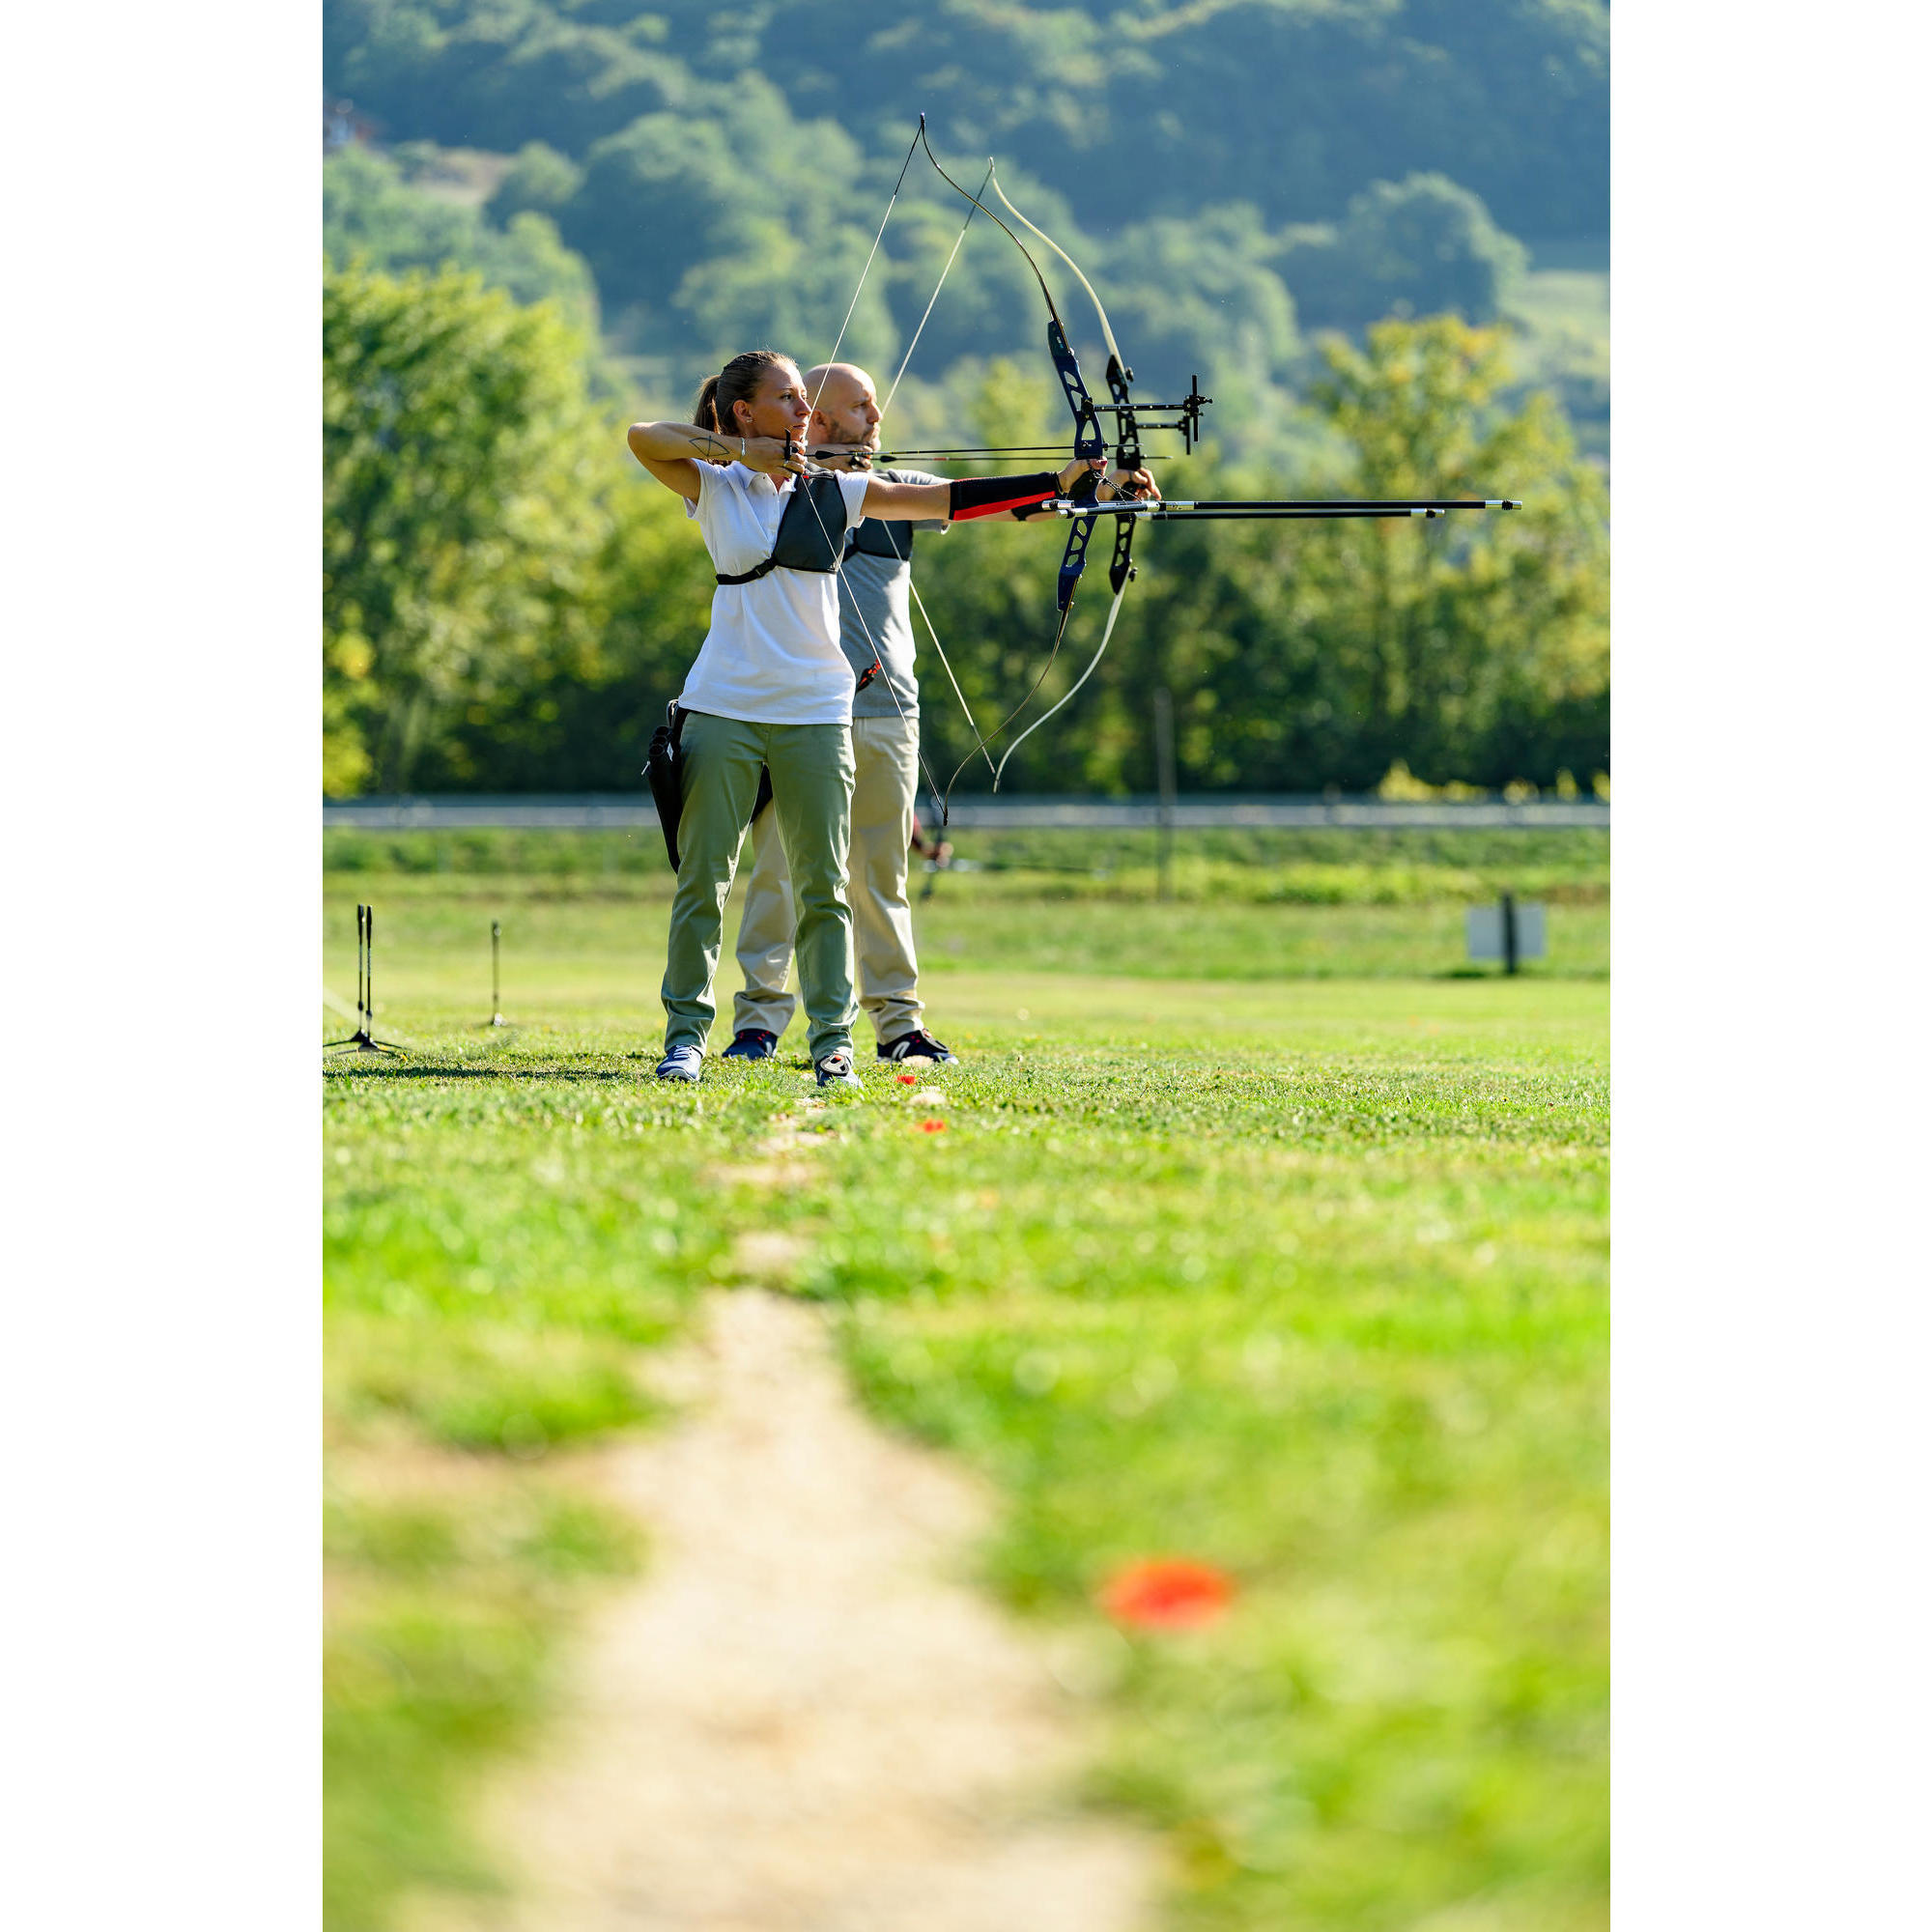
[362, 1041]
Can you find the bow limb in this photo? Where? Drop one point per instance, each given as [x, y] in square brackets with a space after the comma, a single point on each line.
[1114, 611]
[1121, 571]
[1072, 563]
[1046, 292]
[1088, 443]
[1106, 328]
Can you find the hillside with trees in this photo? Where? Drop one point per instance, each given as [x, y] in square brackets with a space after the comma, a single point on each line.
[1312, 204]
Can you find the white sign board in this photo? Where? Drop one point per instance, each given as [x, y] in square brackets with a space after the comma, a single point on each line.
[1485, 928]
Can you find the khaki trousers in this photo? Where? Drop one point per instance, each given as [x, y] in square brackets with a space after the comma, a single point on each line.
[885, 753]
[812, 789]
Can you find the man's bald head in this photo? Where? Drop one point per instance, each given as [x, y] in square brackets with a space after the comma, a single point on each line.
[837, 386]
[844, 406]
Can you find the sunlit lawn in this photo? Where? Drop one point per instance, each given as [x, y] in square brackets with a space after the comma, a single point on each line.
[1304, 1277]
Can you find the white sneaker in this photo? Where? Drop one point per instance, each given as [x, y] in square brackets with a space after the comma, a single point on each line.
[681, 1063]
[836, 1069]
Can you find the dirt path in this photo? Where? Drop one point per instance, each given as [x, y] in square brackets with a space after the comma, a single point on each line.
[800, 1722]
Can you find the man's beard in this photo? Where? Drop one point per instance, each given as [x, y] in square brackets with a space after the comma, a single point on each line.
[858, 457]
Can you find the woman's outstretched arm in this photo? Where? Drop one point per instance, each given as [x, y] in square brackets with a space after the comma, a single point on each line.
[672, 453]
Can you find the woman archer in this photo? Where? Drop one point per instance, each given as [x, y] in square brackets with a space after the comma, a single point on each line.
[771, 689]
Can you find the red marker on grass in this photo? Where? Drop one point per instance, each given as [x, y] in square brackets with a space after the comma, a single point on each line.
[1167, 1593]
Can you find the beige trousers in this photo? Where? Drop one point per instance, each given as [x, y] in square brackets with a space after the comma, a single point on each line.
[886, 754]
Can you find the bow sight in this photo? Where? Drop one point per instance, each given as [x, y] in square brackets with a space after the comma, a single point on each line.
[1131, 415]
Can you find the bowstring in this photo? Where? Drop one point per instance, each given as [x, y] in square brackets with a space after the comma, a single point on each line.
[959, 242]
[878, 656]
[839, 566]
[839, 338]
[973, 723]
[1113, 613]
[1051, 308]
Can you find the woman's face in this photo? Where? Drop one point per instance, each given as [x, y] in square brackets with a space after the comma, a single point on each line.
[778, 408]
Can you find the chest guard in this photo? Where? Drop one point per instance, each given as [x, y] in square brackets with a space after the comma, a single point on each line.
[810, 531]
[873, 538]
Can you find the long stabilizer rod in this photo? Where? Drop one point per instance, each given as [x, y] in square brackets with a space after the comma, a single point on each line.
[1246, 506]
[1210, 513]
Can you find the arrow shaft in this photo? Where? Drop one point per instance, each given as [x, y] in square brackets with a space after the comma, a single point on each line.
[1182, 513]
[1002, 449]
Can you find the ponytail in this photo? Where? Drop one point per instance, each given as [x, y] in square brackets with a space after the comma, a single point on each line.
[736, 382]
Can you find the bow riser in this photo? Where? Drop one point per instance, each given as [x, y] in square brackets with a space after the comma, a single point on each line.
[1074, 559]
[1121, 571]
[1126, 426]
[1087, 441]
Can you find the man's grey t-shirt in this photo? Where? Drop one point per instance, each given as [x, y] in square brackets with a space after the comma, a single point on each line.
[874, 596]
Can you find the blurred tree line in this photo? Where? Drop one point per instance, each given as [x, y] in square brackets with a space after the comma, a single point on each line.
[635, 195]
[1206, 295]
[509, 601]
[1242, 173]
[1139, 107]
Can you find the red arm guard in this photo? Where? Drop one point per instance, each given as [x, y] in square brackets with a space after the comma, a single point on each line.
[988, 495]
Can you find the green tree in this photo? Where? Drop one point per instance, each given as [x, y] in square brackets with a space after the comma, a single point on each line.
[373, 211]
[727, 226]
[1475, 648]
[499, 75]
[1491, 636]
[1423, 245]
[582, 721]
[539, 181]
[462, 524]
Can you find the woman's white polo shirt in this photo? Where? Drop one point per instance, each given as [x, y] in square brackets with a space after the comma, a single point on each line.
[772, 654]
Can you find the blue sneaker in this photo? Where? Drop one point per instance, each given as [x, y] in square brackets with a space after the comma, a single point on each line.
[681, 1063]
[753, 1044]
[835, 1070]
[918, 1044]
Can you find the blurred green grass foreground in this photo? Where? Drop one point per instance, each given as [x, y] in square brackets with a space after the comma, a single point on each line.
[1255, 1231]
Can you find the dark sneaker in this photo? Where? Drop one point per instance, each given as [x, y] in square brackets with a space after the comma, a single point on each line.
[918, 1044]
[681, 1063]
[753, 1044]
[836, 1069]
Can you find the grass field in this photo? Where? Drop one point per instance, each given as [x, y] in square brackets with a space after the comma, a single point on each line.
[1251, 1235]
